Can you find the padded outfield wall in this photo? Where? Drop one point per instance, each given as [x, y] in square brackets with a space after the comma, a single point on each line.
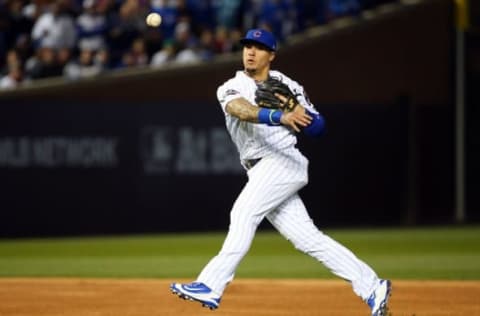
[146, 150]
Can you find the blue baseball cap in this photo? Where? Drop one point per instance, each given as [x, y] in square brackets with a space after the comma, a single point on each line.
[262, 37]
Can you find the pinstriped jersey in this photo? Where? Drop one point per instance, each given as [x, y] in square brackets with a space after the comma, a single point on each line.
[255, 140]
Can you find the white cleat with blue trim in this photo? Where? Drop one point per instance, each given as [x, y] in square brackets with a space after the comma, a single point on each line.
[379, 299]
[196, 291]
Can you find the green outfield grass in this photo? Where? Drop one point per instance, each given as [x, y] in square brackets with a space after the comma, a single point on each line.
[413, 253]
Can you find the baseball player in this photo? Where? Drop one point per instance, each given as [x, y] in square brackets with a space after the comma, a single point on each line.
[266, 137]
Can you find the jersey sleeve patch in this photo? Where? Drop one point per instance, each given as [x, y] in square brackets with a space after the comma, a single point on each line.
[228, 94]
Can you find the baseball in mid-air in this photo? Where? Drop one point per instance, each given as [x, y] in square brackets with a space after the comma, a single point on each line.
[153, 19]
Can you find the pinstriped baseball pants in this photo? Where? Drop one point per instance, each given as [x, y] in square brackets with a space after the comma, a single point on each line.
[271, 192]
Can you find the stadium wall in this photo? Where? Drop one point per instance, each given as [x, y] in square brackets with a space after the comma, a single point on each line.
[146, 150]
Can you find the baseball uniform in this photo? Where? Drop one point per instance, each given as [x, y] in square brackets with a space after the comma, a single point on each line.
[276, 171]
[272, 192]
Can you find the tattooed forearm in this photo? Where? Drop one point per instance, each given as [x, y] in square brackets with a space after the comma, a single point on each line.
[243, 109]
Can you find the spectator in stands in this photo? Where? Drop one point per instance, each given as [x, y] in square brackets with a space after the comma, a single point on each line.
[12, 75]
[13, 78]
[55, 28]
[154, 40]
[23, 46]
[227, 13]
[13, 23]
[184, 12]
[91, 27]
[127, 25]
[165, 55]
[12, 57]
[235, 36]
[207, 45]
[102, 59]
[279, 16]
[63, 56]
[226, 40]
[186, 43]
[223, 44]
[44, 64]
[106, 7]
[202, 14]
[84, 67]
[137, 55]
[169, 13]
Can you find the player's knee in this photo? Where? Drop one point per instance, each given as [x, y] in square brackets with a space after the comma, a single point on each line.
[306, 248]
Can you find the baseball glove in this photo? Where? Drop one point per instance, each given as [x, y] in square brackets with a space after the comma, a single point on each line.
[265, 95]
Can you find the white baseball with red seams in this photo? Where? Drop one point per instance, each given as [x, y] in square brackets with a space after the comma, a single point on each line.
[272, 192]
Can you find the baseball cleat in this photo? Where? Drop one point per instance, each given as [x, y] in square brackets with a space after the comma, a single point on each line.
[196, 291]
[379, 299]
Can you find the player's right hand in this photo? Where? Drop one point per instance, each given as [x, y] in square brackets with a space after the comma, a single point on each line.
[296, 119]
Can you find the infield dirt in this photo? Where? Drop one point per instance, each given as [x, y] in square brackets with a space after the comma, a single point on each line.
[248, 297]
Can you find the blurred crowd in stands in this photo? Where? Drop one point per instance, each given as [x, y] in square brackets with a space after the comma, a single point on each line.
[84, 38]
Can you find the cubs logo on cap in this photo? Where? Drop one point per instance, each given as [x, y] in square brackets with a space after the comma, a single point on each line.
[262, 37]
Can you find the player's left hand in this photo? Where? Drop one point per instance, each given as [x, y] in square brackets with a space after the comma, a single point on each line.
[274, 94]
[296, 119]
